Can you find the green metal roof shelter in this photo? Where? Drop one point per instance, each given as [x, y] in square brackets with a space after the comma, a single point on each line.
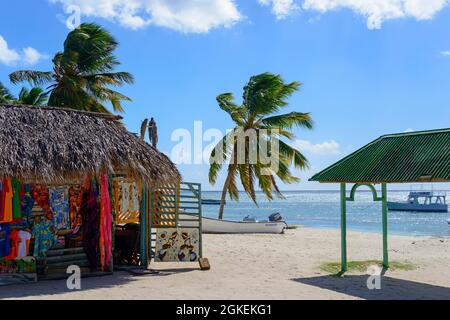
[422, 156]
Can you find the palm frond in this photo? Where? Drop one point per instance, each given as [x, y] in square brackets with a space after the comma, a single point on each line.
[289, 120]
[267, 93]
[219, 155]
[5, 95]
[233, 191]
[236, 112]
[37, 78]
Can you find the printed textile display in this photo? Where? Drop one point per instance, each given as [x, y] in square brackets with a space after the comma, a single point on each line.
[177, 245]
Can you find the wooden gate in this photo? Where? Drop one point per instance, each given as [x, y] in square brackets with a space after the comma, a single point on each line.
[173, 207]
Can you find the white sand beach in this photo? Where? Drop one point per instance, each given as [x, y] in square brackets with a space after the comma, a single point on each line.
[273, 267]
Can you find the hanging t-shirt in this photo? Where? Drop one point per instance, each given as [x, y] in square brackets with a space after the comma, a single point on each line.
[4, 240]
[59, 203]
[44, 237]
[24, 243]
[16, 190]
[14, 243]
[27, 203]
[7, 196]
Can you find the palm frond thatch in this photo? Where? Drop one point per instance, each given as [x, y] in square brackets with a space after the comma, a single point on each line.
[53, 145]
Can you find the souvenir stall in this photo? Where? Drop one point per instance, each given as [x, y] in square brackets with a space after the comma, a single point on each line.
[63, 190]
[46, 228]
[161, 224]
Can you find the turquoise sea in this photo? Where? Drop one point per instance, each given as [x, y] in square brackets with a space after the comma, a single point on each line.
[321, 209]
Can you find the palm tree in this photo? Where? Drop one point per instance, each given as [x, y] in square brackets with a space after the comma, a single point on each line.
[83, 72]
[5, 94]
[33, 97]
[264, 96]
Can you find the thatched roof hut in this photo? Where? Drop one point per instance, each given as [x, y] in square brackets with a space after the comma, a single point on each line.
[53, 145]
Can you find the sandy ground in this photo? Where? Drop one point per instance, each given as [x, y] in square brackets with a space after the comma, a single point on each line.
[272, 267]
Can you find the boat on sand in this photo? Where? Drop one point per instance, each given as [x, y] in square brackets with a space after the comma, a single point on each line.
[216, 226]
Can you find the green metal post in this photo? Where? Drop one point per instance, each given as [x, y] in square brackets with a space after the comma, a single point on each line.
[385, 225]
[343, 228]
[200, 217]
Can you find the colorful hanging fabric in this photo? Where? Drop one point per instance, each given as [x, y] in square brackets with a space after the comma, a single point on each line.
[2, 204]
[44, 237]
[6, 199]
[4, 240]
[59, 204]
[41, 196]
[90, 213]
[27, 203]
[17, 192]
[126, 197]
[101, 240]
[105, 242]
[74, 207]
[14, 239]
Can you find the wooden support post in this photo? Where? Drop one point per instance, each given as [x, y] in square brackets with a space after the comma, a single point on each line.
[343, 229]
[143, 229]
[385, 225]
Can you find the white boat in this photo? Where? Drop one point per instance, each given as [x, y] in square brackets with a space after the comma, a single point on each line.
[210, 225]
[212, 202]
[421, 201]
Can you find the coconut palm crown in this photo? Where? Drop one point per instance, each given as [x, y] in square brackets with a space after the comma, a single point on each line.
[264, 96]
[82, 74]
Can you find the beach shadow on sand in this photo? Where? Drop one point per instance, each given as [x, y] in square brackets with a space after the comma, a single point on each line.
[391, 288]
[56, 287]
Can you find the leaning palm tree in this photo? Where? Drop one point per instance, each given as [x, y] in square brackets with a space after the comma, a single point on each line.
[264, 96]
[5, 94]
[33, 97]
[82, 74]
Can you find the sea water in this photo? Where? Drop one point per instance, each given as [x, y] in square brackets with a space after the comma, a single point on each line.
[321, 209]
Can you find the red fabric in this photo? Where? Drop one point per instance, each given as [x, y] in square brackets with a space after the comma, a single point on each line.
[105, 241]
[2, 205]
[41, 196]
[74, 208]
[15, 240]
[5, 189]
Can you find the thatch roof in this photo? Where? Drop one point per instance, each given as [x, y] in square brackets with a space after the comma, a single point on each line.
[52, 145]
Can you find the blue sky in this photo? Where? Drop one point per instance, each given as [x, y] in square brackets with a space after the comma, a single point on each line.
[367, 69]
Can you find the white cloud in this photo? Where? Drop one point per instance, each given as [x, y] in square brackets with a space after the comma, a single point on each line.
[378, 11]
[325, 148]
[408, 130]
[188, 16]
[11, 57]
[445, 53]
[8, 56]
[281, 8]
[32, 56]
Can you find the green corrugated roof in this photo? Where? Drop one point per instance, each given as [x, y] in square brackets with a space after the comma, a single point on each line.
[396, 158]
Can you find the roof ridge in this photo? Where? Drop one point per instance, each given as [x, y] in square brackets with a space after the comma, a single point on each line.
[111, 117]
[414, 133]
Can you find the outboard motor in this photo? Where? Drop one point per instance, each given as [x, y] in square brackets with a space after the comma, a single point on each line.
[275, 217]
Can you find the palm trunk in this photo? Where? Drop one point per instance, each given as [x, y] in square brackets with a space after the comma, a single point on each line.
[224, 194]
